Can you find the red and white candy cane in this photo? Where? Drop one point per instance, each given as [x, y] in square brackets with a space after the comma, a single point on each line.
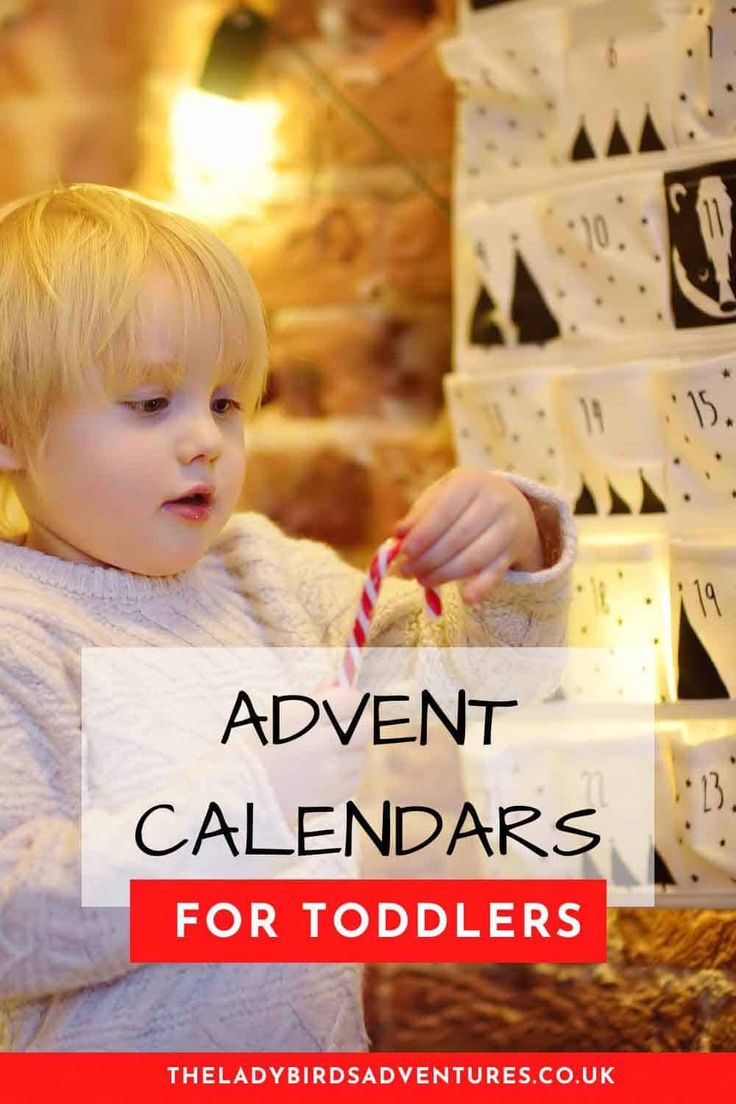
[379, 566]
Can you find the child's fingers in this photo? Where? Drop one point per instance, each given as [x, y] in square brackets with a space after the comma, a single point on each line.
[469, 561]
[410, 531]
[428, 495]
[434, 515]
[482, 584]
[467, 528]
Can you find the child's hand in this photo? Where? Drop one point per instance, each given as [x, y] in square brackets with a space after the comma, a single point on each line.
[472, 525]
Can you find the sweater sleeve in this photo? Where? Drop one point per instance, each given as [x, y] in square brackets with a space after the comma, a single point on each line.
[526, 609]
[49, 942]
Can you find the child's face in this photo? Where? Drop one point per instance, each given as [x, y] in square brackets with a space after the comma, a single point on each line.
[104, 486]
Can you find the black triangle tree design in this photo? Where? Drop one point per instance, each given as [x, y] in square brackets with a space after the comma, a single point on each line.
[662, 873]
[617, 145]
[649, 139]
[585, 503]
[590, 870]
[651, 503]
[582, 149]
[483, 330]
[529, 312]
[698, 675]
[621, 875]
[618, 506]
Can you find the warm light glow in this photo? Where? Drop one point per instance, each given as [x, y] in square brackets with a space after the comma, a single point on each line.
[223, 153]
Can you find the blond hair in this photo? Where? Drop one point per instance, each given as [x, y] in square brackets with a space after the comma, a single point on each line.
[72, 259]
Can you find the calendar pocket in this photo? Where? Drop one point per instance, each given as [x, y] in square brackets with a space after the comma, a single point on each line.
[618, 90]
[509, 421]
[620, 600]
[703, 595]
[703, 50]
[511, 79]
[565, 758]
[698, 404]
[610, 420]
[696, 796]
[584, 261]
[702, 839]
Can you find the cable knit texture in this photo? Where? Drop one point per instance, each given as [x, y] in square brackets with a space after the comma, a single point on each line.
[66, 983]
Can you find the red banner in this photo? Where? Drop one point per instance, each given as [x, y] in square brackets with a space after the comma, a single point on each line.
[297, 1078]
[368, 921]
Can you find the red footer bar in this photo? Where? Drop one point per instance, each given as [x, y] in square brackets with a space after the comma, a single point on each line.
[297, 1078]
[368, 921]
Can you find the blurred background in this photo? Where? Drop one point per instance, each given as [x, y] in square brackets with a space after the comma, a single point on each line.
[315, 176]
[317, 138]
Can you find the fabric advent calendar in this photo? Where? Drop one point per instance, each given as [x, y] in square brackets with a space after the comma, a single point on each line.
[595, 351]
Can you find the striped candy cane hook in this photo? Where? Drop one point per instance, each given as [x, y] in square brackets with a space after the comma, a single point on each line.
[379, 566]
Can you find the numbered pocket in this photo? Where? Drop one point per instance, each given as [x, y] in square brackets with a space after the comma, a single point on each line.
[560, 761]
[701, 839]
[509, 421]
[615, 100]
[620, 600]
[703, 51]
[703, 595]
[698, 404]
[510, 78]
[613, 427]
[585, 261]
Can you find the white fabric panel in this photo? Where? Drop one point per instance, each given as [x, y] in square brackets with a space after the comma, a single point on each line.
[510, 421]
[696, 797]
[565, 763]
[698, 404]
[620, 600]
[618, 95]
[513, 78]
[703, 595]
[611, 423]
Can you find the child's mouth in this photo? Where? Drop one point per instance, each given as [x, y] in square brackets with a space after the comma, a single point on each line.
[193, 507]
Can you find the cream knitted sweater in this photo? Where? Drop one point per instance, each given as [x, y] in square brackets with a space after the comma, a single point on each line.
[66, 983]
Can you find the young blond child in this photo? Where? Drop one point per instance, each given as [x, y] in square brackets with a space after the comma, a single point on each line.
[132, 350]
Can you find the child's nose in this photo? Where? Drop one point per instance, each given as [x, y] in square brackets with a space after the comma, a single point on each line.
[201, 437]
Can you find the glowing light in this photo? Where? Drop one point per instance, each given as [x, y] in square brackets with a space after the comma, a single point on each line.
[223, 153]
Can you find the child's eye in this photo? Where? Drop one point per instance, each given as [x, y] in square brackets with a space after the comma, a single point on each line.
[229, 404]
[148, 406]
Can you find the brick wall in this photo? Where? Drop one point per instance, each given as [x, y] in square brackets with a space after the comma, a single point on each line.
[353, 262]
[69, 83]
